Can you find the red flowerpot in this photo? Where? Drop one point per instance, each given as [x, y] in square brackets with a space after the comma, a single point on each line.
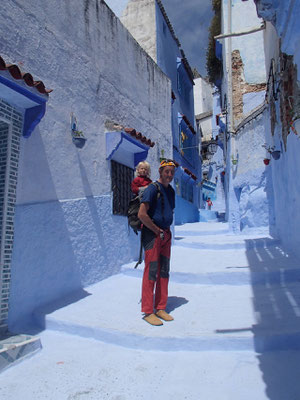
[266, 161]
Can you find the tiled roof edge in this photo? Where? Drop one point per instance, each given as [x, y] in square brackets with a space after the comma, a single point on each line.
[138, 135]
[17, 74]
[188, 172]
[184, 60]
[187, 66]
[190, 126]
[163, 11]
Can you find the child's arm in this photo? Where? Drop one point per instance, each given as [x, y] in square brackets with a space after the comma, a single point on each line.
[135, 186]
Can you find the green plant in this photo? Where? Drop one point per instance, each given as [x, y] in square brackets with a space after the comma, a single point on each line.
[77, 133]
[234, 160]
[213, 64]
[268, 148]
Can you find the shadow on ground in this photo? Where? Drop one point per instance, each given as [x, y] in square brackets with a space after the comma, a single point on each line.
[175, 302]
[275, 277]
[39, 316]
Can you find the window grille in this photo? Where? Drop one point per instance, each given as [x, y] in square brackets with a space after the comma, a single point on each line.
[10, 132]
[187, 143]
[187, 190]
[121, 178]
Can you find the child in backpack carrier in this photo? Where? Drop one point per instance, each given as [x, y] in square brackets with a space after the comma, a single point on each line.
[142, 178]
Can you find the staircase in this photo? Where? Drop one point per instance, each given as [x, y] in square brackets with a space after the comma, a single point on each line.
[236, 304]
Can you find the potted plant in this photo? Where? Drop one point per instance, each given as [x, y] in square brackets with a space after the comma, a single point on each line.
[234, 160]
[162, 155]
[78, 138]
[276, 154]
[268, 148]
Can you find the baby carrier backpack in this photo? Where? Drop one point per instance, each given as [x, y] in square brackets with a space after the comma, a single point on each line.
[133, 220]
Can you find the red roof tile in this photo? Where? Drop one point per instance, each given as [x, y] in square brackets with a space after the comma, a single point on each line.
[190, 126]
[138, 135]
[16, 73]
[188, 172]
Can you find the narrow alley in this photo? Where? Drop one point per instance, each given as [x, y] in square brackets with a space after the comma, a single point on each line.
[235, 300]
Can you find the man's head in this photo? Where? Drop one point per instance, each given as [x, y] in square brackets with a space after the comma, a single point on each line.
[166, 172]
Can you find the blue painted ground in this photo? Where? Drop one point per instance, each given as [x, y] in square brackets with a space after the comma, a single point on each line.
[236, 332]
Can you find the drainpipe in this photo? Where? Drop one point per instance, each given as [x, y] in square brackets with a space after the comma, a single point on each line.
[231, 206]
[229, 64]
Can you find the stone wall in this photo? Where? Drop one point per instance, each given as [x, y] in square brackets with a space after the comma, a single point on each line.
[240, 87]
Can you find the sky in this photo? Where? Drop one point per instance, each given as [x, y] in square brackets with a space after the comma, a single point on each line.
[190, 20]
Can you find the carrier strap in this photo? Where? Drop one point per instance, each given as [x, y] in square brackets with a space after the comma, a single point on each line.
[159, 195]
[141, 254]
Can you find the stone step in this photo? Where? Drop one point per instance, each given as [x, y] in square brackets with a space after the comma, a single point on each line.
[16, 348]
[239, 277]
[201, 229]
[226, 317]
[225, 242]
[208, 215]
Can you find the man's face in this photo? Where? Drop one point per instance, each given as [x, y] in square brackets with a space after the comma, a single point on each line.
[167, 175]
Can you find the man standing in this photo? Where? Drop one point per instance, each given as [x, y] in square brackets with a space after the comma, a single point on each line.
[156, 214]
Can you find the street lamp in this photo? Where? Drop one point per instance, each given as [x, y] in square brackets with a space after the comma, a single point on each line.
[208, 156]
[212, 148]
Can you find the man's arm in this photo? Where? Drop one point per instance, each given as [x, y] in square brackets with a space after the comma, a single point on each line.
[146, 220]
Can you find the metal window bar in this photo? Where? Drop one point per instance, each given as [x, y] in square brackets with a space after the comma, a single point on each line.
[4, 260]
[121, 178]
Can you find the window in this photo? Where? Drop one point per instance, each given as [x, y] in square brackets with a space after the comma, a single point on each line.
[121, 178]
[187, 190]
[187, 143]
[184, 86]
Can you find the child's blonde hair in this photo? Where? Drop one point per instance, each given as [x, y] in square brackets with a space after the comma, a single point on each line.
[144, 164]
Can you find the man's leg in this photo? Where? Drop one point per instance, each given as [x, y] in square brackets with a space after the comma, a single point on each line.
[152, 248]
[161, 291]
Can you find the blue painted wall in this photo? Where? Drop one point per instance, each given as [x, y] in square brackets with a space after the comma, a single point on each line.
[185, 211]
[169, 60]
[74, 243]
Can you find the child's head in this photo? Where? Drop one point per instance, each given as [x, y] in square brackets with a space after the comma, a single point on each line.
[143, 169]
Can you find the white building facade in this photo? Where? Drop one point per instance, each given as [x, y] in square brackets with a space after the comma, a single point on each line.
[243, 92]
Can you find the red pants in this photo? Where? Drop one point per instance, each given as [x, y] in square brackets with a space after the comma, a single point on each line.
[156, 272]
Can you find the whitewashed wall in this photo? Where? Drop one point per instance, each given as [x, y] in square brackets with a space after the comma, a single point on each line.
[65, 234]
[251, 194]
[246, 182]
[203, 97]
[244, 17]
[139, 18]
[284, 32]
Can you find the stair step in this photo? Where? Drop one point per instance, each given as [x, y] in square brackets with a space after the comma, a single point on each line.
[206, 318]
[218, 242]
[222, 340]
[243, 277]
